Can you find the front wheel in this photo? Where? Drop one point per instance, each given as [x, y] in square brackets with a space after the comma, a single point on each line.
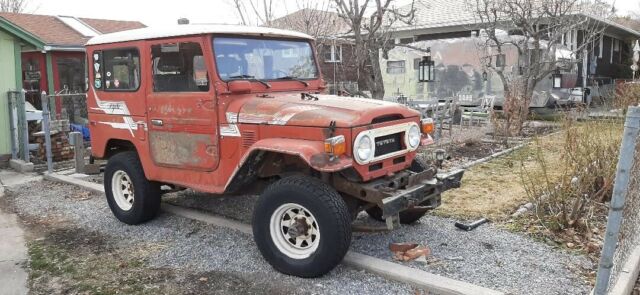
[302, 226]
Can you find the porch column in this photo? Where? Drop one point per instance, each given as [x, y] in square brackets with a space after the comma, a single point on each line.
[51, 88]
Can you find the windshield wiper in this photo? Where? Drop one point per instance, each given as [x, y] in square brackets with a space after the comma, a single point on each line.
[294, 79]
[251, 78]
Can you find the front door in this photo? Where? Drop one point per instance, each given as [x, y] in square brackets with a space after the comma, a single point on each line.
[181, 115]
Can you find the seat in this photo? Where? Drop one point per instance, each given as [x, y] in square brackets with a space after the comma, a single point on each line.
[171, 74]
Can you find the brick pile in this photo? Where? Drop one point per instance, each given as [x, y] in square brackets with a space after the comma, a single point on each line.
[61, 150]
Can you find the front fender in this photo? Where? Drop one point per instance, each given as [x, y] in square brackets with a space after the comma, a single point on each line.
[312, 152]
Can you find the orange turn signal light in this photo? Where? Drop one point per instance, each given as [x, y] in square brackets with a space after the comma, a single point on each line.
[335, 146]
[428, 126]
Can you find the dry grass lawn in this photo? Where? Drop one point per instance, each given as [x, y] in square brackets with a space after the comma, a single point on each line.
[494, 189]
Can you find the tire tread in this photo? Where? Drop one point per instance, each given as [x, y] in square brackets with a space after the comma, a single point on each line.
[334, 203]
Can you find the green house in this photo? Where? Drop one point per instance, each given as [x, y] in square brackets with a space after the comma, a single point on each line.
[13, 40]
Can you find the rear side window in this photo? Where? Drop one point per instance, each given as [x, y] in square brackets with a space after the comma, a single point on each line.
[179, 67]
[121, 70]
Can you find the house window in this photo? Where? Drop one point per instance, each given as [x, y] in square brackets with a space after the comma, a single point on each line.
[615, 51]
[121, 70]
[333, 54]
[71, 74]
[570, 39]
[179, 67]
[395, 67]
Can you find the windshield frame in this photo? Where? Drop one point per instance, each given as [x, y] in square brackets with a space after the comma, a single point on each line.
[310, 42]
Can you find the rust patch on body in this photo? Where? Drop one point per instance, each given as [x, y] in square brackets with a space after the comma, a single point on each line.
[183, 149]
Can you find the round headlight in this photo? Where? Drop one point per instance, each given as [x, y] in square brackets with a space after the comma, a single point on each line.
[364, 148]
[414, 136]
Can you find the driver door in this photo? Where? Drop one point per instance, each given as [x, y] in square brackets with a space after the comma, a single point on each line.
[181, 103]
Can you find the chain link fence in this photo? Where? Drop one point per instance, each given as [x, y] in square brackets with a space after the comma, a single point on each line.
[629, 237]
[40, 136]
[620, 260]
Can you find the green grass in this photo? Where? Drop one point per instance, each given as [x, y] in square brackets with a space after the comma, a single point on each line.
[80, 269]
[44, 259]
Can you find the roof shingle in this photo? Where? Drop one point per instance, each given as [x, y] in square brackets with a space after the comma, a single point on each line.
[52, 31]
[106, 26]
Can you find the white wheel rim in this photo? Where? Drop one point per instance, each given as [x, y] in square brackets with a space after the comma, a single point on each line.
[122, 189]
[294, 231]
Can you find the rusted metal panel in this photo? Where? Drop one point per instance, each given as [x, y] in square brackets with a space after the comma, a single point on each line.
[183, 150]
[290, 109]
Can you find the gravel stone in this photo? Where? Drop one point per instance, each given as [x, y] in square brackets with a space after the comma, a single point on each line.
[487, 256]
[185, 244]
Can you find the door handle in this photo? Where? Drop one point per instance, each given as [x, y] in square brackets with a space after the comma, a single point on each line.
[156, 122]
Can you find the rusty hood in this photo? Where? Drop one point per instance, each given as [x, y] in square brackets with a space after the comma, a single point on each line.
[292, 109]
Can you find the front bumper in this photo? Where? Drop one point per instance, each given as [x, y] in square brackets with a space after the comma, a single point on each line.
[404, 190]
[422, 188]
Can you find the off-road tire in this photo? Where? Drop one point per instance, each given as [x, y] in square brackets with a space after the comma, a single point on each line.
[330, 212]
[406, 217]
[418, 165]
[146, 203]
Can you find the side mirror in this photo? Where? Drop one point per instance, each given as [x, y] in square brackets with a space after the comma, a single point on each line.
[239, 87]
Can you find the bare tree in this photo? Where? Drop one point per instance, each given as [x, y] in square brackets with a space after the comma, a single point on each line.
[370, 23]
[254, 12]
[539, 30]
[15, 6]
[312, 17]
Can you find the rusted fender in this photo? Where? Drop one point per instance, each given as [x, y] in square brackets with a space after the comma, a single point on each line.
[310, 151]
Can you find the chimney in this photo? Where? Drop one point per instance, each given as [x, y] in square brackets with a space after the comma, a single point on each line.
[183, 21]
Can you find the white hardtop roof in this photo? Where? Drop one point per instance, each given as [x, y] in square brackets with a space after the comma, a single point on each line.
[186, 30]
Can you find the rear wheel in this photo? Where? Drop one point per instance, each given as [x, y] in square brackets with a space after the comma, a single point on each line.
[302, 226]
[408, 216]
[133, 199]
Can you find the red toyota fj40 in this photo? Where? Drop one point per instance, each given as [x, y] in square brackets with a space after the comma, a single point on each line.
[223, 109]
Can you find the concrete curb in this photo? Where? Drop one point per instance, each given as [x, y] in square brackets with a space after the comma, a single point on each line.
[392, 271]
[389, 270]
[94, 187]
[507, 151]
[491, 157]
[628, 274]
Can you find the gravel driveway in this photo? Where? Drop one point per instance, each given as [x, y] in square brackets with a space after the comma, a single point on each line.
[488, 256]
[185, 244]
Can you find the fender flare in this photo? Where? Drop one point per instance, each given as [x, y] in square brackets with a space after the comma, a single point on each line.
[310, 151]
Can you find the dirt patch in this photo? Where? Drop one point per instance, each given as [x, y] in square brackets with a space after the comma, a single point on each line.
[74, 261]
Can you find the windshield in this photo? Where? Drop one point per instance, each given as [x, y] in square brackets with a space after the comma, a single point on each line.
[263, 59]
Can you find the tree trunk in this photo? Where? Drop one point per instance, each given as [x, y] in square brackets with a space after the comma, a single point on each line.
[376, 85]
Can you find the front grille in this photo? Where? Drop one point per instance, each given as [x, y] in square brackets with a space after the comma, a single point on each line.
[388, 144]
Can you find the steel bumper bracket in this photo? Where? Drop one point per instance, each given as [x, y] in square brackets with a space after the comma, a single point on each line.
[426, 189]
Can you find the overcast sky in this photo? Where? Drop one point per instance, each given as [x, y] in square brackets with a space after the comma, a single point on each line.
[198, 11]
